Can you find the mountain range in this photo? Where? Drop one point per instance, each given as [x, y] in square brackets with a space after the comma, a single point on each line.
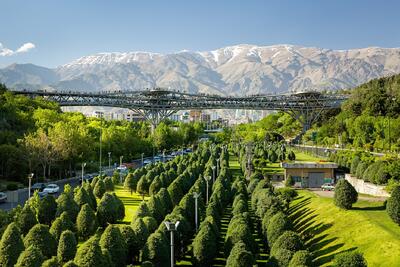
[232, 70]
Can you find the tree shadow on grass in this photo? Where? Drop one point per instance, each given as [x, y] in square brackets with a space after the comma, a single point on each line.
[370, 208]
[299, 205]
[328, 258]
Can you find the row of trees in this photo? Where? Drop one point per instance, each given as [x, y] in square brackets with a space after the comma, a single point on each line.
[47, 230]
[37, 137]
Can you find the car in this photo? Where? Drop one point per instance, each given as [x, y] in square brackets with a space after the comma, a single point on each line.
[38, 186]
[146, 161]
[51, 189]
[328, 187]
[156, 159]
[3, 197]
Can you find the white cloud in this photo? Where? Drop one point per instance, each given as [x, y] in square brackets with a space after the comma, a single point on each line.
[4, 51]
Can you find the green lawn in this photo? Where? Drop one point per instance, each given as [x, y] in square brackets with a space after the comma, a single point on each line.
[301, 156]
[329, 230]
[131, 202]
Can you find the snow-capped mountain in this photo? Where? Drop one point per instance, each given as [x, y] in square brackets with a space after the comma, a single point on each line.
[239, 70]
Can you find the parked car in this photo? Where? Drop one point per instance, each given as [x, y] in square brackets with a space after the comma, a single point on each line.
[328, 187]
[157, 159]
[3, 197]
[146, 161]
[51, 189]
[38, 186]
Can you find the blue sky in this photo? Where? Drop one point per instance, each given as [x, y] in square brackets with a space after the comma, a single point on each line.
[65, 30]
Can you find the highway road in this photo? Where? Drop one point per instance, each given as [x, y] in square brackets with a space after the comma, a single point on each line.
[23, 193]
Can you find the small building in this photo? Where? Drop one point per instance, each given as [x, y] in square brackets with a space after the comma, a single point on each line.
[309, 174]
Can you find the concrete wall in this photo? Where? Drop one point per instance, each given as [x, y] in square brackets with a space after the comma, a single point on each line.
[366, 188]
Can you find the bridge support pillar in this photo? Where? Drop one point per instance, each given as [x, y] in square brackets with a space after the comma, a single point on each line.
[155, 116]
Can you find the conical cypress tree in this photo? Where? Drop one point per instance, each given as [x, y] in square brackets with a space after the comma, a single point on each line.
[11, 246]
[393, 205]
[26, 219]
[345, 194]
[112, 241]
[61, 224]
[40, 237]
[66, 246]
[31, 257]
[89, 254]
[86, 222]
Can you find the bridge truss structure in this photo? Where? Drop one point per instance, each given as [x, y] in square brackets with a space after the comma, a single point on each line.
[158, 104]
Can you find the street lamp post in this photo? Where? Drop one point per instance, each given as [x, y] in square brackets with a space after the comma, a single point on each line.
[109, 160]
[120, 160]
[213, 169]
[207, 178]
[30, 176]
[83, 168]
[142, 159]
[196, 196]
[100, 114]
[218, 159]
[172, 227]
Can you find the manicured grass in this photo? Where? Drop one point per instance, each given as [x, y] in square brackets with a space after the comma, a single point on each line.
[330, 230]
[131, 202]
[301, 156]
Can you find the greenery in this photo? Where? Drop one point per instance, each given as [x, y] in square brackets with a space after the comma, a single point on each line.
[345, 194]
[11, 246]
[336, 230]
[354, 259]
[66, 247]
[393, 205]
[31, 257]
[112, 241]
[40, 237]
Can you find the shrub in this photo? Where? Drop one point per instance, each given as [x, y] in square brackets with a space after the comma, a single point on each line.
[108, 183]
[61, 224]
[82, 197]
[130, 240]
[52, 262]
[354, 165]
[151, 223]
[40, 237]
[351, 258]
[165, 199]
[204, 246]
[46, 211]
[155, 186]
[92, 197]
[130, 182]
[239, 256]
[89, 254]
[12, 187]
[289, 181]
[361, 167]
[112, 241]
[302, 258]
[289, 240]
[115, 177]
[31, 257]
[99, 189]
[141, 232]
[156, 250]
[278, 224]
[393, 205]
[66, 203]
[282, 257]
[239, 230]
[108, 209]
[26, 219]
[11, 246]
[291, 155]
[86, 222]
[345, 194]
[66, 246]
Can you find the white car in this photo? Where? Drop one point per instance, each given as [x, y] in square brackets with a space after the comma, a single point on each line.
[51, 189]
[3, 197]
